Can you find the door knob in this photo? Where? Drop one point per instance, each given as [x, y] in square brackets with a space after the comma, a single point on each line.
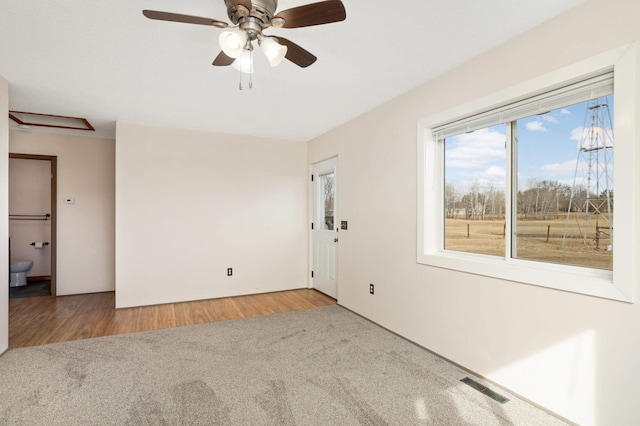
[335, 240]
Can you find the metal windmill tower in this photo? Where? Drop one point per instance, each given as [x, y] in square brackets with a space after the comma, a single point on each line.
[591, 195]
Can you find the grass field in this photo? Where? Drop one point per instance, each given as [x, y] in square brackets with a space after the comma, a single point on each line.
[486, 237]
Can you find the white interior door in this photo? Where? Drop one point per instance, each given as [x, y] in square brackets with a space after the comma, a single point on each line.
[325, 227]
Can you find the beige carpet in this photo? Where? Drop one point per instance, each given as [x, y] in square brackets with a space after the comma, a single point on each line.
[320, 366]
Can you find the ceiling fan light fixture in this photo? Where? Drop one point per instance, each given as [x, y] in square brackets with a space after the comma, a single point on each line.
[274, 51]
[232, 42]
[244, 63]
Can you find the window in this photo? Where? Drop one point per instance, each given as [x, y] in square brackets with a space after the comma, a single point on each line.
[327, 196]
[474, 191]
[562, 210]
[520, 185]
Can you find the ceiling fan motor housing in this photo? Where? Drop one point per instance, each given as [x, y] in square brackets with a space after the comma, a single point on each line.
[261, 11]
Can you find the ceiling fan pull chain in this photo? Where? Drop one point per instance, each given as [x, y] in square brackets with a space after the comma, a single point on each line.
[251, 69]
[240, 85]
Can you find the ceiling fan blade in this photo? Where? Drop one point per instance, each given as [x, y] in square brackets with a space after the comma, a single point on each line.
[323, 12]
[297, 54]
[222, 60]
[187, 19]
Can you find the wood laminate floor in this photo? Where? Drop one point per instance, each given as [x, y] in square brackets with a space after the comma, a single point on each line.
[40, 320]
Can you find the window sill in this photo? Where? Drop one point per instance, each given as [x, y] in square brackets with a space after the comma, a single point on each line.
[592, 282]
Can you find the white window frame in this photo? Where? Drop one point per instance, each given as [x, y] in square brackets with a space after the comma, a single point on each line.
[617, 284]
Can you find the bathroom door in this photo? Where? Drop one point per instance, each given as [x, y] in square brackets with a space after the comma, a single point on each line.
[325, 228]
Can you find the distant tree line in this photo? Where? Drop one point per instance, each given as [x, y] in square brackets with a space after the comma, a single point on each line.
[542, 200]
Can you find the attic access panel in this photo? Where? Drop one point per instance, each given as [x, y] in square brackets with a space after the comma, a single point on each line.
[50, 120]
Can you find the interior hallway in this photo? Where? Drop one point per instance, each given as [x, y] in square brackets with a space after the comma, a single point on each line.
[41, 320]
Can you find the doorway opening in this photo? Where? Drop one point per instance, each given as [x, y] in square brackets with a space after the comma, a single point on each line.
[32, 225]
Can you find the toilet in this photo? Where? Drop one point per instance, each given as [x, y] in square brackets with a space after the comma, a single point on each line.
[19, 272]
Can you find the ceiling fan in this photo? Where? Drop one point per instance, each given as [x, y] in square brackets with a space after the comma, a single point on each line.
[250, 18]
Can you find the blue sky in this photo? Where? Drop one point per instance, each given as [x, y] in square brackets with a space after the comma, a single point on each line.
[548, 149]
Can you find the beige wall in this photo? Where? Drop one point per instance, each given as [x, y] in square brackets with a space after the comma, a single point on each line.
[86, 229]
[30, 193]
[4, 212]
[576, 355]
[191, 204]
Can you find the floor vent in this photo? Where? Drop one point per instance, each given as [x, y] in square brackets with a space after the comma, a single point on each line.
[485, 390]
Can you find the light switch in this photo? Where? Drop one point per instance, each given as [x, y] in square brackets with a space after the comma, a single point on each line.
[69, 200]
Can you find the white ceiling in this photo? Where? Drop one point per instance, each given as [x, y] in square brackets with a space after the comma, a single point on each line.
[105, 61]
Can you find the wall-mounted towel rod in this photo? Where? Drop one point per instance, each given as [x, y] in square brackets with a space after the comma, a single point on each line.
[29, 216]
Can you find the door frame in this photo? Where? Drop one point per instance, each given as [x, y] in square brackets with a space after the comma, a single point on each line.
[311, 216]
[54, 196]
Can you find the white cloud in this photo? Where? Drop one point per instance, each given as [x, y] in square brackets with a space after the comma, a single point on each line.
[492, 177]
[565, 111]
[495, 171]
[577, 134]
[568, 168]
[535, 126]
[475, 150]
[550, 118]
[557, 169]
[598, 138]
